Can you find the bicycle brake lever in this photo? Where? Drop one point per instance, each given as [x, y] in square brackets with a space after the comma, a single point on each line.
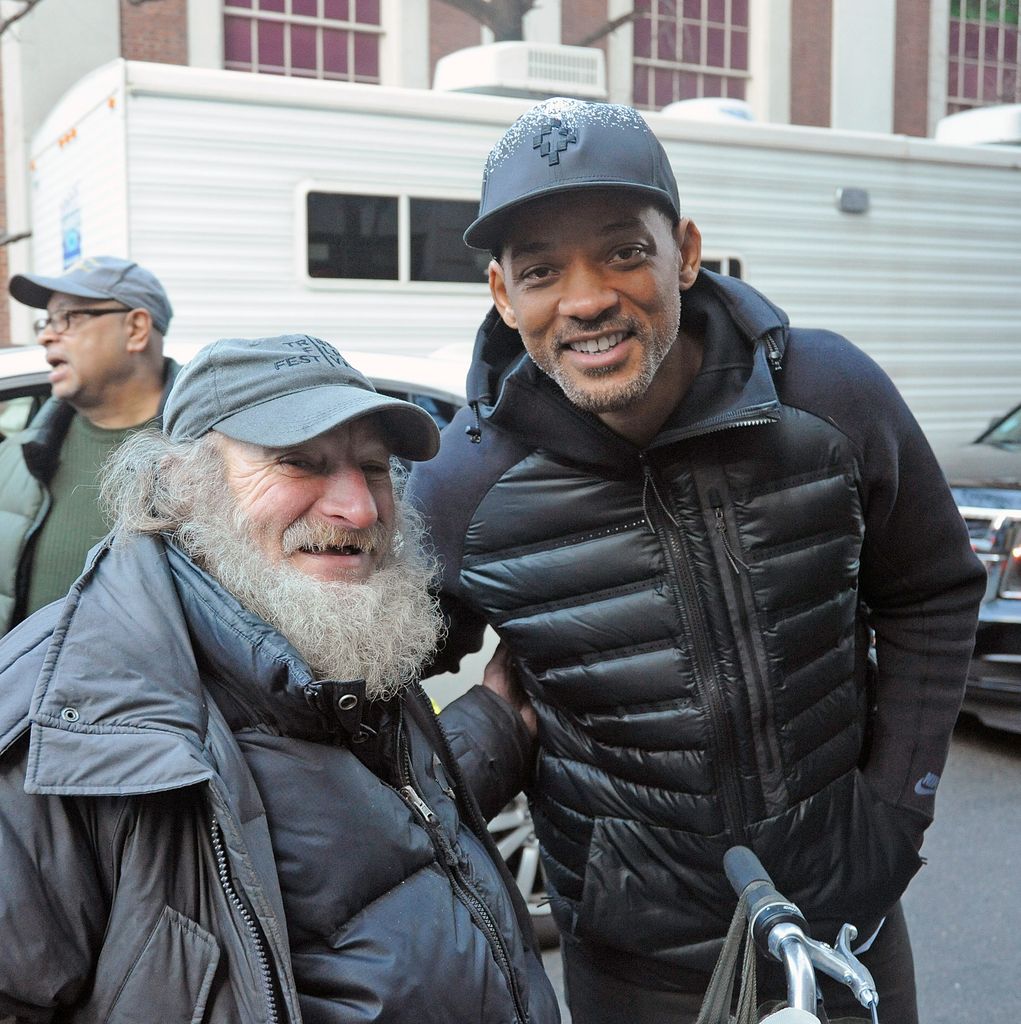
[843, 966]
[861, 982]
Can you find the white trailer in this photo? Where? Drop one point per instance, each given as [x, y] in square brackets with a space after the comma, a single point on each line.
[269, 204]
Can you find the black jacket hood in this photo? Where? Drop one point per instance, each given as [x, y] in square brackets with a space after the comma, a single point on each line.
[506, 389]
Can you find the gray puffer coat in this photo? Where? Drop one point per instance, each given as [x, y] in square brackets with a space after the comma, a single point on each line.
[192, 831]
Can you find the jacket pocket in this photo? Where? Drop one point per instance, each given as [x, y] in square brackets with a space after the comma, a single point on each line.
[171, 977]
[843, 855]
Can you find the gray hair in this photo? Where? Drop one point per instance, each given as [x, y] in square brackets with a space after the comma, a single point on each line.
[149, 484]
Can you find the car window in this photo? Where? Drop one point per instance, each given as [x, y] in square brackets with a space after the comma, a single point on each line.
[16, 412]
[1007, 431]
[441, 411]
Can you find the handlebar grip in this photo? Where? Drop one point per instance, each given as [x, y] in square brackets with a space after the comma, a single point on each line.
[765, 906]
[743, 868]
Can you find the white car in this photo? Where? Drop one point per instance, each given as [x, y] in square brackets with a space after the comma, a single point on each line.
[435, 382]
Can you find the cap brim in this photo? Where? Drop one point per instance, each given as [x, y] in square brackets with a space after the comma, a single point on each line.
[37, 291]
[294, 418]
[488, 231]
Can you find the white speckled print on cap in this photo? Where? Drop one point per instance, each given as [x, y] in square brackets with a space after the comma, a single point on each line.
[563, 144]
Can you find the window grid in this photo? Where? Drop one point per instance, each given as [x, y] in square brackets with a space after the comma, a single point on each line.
[985, 54]
[328, 39]
[685, 49]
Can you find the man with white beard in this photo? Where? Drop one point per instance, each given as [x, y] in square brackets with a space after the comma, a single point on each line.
[224, 797]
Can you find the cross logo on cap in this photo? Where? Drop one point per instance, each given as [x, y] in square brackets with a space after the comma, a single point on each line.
[553, 139]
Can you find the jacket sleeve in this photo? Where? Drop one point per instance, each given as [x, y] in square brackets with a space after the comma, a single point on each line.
[463, 635]
[491, 745]
[919, 580]
[52, 904]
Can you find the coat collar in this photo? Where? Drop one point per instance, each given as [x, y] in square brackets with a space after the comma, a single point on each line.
[120, 707]
[42, 440]
[745, 338]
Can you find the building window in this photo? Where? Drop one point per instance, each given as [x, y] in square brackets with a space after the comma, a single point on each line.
[684, 49]
[391, 238]
[985, 54]
[336, 39]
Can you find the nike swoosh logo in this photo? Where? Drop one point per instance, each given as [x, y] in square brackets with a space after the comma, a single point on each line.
[923, 787]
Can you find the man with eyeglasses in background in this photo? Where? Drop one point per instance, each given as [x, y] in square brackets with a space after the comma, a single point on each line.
[103, 335]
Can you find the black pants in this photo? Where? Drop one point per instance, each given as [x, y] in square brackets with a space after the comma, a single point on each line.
[595, 997]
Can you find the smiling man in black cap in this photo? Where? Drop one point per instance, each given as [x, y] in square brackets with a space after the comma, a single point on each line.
[688, 520]
[224, 797]
[103, 330]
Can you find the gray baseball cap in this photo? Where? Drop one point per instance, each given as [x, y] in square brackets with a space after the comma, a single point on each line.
[276, 392]
[99, 277]
[565, 144]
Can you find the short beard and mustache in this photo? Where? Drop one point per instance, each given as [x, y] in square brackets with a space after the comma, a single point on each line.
[656, 342]
[381, 630]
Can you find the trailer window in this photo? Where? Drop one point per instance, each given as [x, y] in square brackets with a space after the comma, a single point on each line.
[352, 236]
[438, 252]
[729, 266]
[389, 238]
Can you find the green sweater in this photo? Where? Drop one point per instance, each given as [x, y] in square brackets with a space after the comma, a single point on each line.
[75, 521]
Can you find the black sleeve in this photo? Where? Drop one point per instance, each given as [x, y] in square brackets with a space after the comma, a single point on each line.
[919, 578]
[491, 745]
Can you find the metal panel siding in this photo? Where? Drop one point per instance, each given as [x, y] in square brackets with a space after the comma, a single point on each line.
[212, 189]
[81, 167]
[928, 281]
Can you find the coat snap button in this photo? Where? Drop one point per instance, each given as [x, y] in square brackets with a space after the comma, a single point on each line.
[70, 715]
[347, 702]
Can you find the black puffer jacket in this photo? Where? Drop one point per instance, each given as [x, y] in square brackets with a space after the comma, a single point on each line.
[692, 622]
[191, 831]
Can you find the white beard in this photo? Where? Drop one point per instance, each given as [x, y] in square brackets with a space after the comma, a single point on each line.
[381, 630]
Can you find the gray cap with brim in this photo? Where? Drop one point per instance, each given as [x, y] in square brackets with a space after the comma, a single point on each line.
[563, 145]
[276, 392]
[99, 277]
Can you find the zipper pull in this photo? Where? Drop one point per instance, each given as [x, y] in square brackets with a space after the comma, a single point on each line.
[773, 354]
[721, 528]
[418, 805]
[426, 813]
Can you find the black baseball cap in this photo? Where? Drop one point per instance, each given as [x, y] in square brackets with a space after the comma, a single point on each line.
[275, 392]
[564, 144]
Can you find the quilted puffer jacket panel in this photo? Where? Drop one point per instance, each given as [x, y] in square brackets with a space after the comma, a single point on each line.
[693, 621]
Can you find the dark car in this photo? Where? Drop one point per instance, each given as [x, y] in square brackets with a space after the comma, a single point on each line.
[985, 477]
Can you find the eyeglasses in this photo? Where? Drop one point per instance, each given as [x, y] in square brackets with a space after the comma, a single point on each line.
[63, 321]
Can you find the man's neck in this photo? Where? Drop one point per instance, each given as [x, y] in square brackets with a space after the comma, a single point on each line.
[640, 423]
[129, 405]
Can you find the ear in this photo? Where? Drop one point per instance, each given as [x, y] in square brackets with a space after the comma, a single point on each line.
[138, 325]
[689, 243]
[498, 289]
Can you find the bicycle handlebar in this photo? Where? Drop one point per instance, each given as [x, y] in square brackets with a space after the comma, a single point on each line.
[766, 907]
[779, 930]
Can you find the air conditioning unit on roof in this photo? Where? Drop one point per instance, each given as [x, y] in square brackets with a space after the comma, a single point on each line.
[999, 124]
[531, 70]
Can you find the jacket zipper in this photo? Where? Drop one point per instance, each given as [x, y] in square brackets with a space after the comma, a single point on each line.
[476, 907]
[690, 608]
[721, 528]
[761, 703]
[773, 354]
[233, 897]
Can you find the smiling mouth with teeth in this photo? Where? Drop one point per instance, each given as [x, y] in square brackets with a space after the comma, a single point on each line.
[601, 344]
[331, 549]
[312, 537]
